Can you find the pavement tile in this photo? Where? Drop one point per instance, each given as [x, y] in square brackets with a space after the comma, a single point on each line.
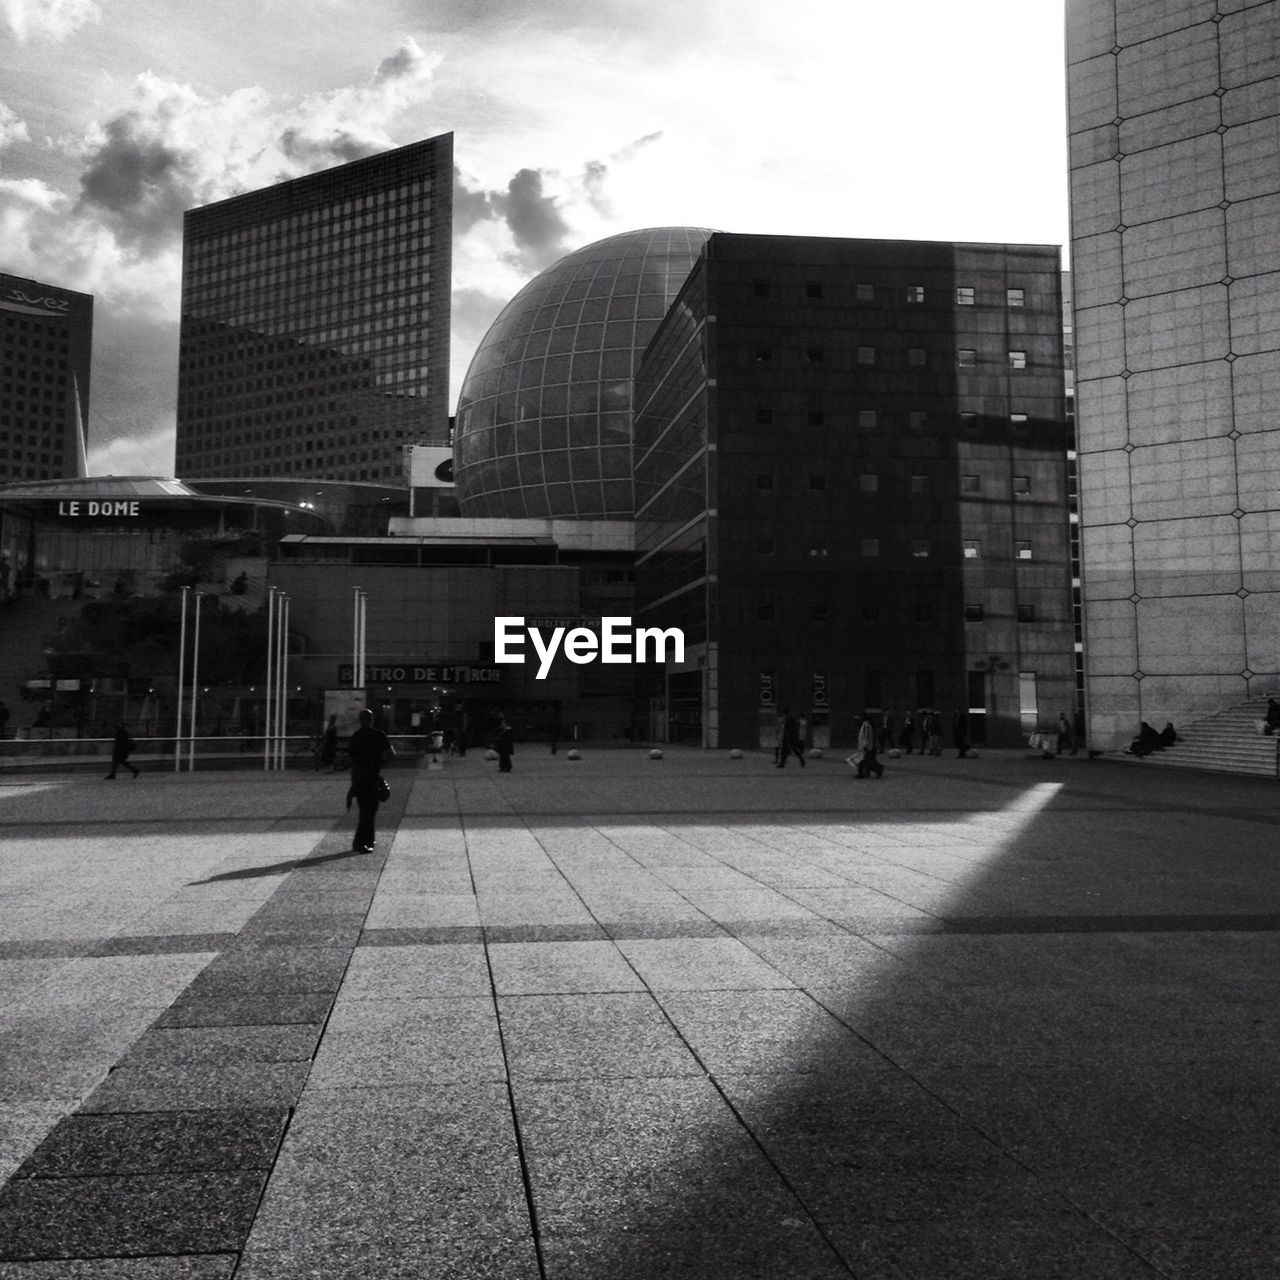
[196, 1010]
[451, 1258]
[189, 1267]
[1224, 1246]
[112, 1216]
[696, 928]
[387, 1042]
[45, 948]
[214, 1046]
[1054, 1246]
[249, 971]
[591, 1036]
[700, 964]
[418, 971]
[161, 944]
[394, 910]
[303, 931]
[162, 1142]
[544, 933]
[92, 982]
[199, 1088]
[760, 1031]
[420, 937]
[22, 1127]
[529, 968]
[532, 908]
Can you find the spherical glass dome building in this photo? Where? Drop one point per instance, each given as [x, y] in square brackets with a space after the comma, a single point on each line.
[544, 416]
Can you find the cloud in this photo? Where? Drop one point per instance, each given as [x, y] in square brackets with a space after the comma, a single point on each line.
[47, 19]
[537, 225]
[11, 128]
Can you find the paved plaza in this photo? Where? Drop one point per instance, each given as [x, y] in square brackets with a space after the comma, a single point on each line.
[624, 1017]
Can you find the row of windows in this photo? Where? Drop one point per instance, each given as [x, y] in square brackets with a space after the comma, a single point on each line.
[34, 326]
[964, 295]
[921, 548]
[917, 357]
[871, 612]
[869, 482]
[870, 419]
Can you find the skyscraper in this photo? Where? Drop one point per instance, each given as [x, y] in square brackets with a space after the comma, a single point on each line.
[46, 339]
[315, 322]
[1175, 193]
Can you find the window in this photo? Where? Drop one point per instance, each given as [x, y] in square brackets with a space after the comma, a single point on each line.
[870, 548]
[966, 358]
[865, 292]
[920, 549]
[764, 416]
[764, 355]
[973, 613]
[919, 484]
[916, 356]
[1017, 420]
[1022, 550]
[866, 355]
[973, 550]
[968, 422]
[1026, 613]
[764, 482]
[1015, 297]
[1017, 359]
[970, 484]
[817, 482]
[818, 547]
[917, 421]
[869, 482]
[765, 613]
[915, 293]
[867, 418]
[964, 296]
[818, 613]
[813, 289]
[765, 546]
[1021, 486]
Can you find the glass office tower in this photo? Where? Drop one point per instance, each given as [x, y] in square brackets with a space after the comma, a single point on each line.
[315, 322]
[46, 337]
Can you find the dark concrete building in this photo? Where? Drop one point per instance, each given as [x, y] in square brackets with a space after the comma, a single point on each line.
[46, 340]
[851, 489]
[315, 322]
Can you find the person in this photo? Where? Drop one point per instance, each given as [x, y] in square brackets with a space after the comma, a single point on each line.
[328, 754]
[790, 741]
[367, 747]
[960, 732]
[886, 732]
[932, 734]
[1066, 735]
[122, 747]
[867, 742]
[504, 744]
[554, 732]
[1273, 716]
[44, 717]
[1166, 737]
[1145, 743]
[4, 719]
[907, 738]
[240, 583]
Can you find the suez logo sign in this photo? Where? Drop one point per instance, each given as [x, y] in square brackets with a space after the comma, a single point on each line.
[37, 302]
[617, 642]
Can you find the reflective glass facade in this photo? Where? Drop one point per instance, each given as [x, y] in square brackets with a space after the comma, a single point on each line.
[46, 335]
[544, 417]
[315, 322]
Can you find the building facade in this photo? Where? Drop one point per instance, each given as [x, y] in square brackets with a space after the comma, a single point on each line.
[315, 322]
[851, 488]
[1174, 116]
[46, 341]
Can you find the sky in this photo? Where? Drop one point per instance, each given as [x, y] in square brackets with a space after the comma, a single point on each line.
[572, 120]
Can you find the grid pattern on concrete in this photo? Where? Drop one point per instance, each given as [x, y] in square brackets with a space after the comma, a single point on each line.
[626, 1018]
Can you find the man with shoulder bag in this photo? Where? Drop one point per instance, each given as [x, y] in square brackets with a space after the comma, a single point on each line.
[368, 748]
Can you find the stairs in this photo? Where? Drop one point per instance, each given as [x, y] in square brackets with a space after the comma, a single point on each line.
[1227, 742]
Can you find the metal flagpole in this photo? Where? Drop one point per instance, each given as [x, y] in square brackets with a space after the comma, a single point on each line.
[267, 688]
[357, 671]
[282, 647]
[284, 684]
[182, 679]
[195, 682]
[364, 657]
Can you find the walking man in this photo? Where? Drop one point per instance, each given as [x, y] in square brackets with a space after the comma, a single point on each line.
[868, 740]
[791, 744]
[121, 748]
[367, 747]
[960, 732]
